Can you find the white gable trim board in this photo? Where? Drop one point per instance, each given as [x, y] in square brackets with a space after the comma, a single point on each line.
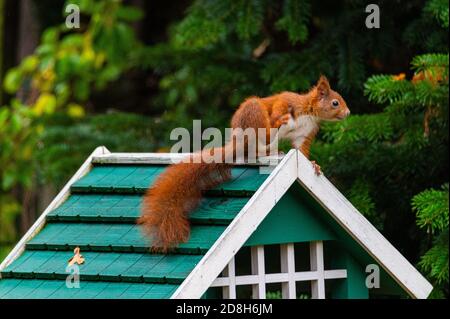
[261, 203]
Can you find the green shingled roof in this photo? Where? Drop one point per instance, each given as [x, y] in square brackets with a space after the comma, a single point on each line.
[99, 217]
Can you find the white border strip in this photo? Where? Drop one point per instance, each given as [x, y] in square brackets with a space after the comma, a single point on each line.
[362, 231]
[240, 229]
[61, 197]
[166, 158]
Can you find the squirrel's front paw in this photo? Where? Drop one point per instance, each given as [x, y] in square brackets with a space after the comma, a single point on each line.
[317, 168]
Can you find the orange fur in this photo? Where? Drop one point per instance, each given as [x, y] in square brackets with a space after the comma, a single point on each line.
[434, 74]
[178, 190]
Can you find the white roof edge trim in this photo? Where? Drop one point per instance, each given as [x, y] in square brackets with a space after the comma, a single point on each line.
[60, 198]
[166, 158]
[240, 229]
[362, 231]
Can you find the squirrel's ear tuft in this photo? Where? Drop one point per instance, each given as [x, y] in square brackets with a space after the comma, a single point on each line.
[323, 86]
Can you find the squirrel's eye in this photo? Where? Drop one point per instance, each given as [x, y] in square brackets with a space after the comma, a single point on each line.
[335, 103]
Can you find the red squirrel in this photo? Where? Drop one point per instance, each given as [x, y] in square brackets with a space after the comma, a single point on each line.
[178, 190]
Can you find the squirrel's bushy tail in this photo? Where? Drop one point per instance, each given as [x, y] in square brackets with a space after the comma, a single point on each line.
[174, 194]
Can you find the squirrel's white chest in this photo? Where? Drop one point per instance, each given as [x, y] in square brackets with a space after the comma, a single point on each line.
[297, 130]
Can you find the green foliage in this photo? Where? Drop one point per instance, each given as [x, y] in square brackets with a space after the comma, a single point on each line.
[430, 31]
[360, 129]
[198, 30]
[351, 63]
[431, 207]
[250, 17]
[16, 130]
[384, 88]
[2, 45]
[360, 196]
[296, 15]
[17, 142]
[435, 261]
[68, 65]
[282, 72]
[439, 9]
[428, 61]
[8, 214]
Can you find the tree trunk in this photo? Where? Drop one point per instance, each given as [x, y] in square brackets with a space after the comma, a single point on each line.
[9, 12]
[28, 39]
[2, 28]
[28, 29]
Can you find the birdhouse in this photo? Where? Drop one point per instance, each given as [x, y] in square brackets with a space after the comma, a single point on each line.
[269, 232]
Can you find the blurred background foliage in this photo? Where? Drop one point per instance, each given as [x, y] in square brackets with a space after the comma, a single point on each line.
[136, 69]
